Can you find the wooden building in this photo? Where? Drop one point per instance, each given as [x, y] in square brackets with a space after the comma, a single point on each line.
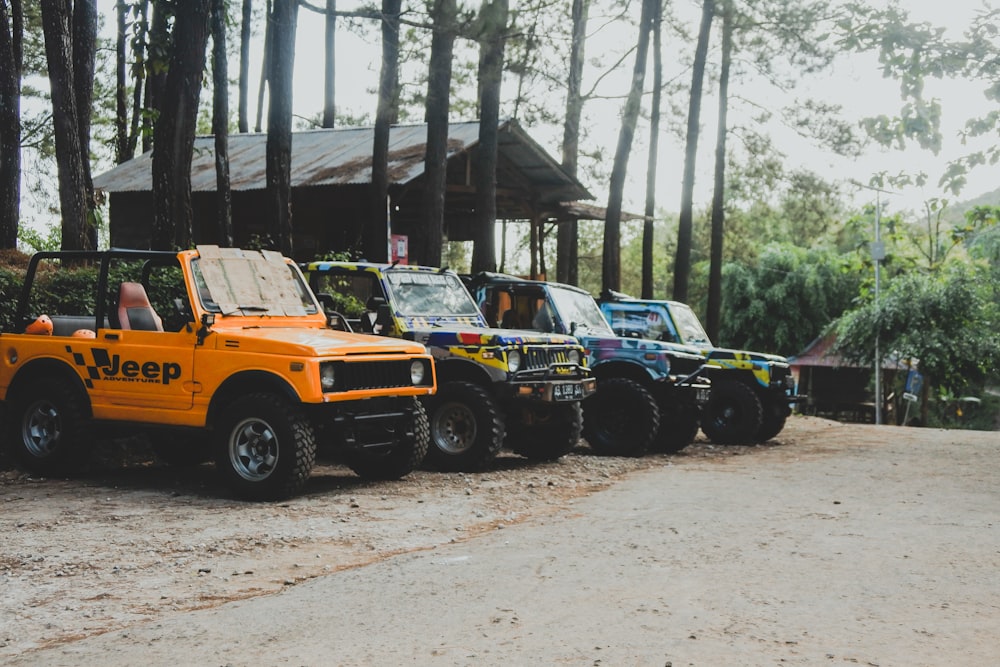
[331, 176]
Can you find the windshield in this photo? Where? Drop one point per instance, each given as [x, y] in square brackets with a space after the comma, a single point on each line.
[416, 293]
[244, 282]
[580, 310]
[688, 326]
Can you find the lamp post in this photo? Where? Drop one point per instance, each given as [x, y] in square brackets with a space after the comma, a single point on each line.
[878, 255]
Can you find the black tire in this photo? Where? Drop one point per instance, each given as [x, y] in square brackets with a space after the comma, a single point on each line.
[620, 419]
[776, 412]
[399, 459]
[45, 427]
[546, 431]
[680, 418]
[182, 449]
[466, 428]
[733, 414]
[266, 447]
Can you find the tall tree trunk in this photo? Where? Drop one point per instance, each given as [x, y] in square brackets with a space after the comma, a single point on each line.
[220, 124]
[11, 52]
[426, 246]
[139, 72]
[121, 83]
[682, 262]
[84, 59]
[376, 232]
[157, 65]
[330, 62]
[72, 184]
[279, 123]
[493, 16]
[265, 70]
[566, 235]
[173, 135]
[713, 318]
[654, 143]
[611, 265]
[245, 34]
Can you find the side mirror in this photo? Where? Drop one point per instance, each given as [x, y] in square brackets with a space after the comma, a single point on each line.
[383, 319]
[207, 320]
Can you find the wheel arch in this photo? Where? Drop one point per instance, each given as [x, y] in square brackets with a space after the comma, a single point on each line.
[459, 370]
[248, 382]
[52, 368]
[622, 369]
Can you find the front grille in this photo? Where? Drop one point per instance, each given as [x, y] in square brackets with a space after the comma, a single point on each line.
[355, 375]
[543, 357]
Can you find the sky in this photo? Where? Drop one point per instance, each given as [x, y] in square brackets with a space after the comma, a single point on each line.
[856, 83]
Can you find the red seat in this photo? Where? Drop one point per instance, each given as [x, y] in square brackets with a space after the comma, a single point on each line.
[135, 311]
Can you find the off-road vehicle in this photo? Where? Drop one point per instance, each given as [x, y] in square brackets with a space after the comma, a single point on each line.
[751, 391]
[496, 387]
[214, 352]
[649, 392]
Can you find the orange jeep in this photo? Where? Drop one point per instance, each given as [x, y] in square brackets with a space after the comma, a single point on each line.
[213, 353]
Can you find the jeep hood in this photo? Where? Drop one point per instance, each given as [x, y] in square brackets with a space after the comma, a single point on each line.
[743, 355]
[485, 337]
[308, 342]
[620, 342]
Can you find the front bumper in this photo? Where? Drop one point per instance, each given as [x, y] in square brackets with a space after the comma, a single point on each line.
[559, 383]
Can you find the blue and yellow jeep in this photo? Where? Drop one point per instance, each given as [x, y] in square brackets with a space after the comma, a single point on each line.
[650, 391]
[496, 387]
[751, 391]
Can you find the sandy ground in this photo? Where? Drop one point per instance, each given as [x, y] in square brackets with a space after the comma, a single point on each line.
[132, 545]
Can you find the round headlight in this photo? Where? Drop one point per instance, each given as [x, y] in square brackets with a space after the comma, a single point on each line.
[327, 377]
[513, 361]
[574, 357]
[417, 372]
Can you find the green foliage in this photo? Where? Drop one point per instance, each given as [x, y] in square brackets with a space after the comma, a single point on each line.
[787, 298]
[948, 320]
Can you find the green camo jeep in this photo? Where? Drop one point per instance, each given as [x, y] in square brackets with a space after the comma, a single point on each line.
[751, 391]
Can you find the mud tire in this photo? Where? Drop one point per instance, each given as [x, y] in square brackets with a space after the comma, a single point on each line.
[466, 428]
[45, 428]
[401, 458]
[266, 447]
[554, 431]
[680, 418]
[621, 419]
[733, 414]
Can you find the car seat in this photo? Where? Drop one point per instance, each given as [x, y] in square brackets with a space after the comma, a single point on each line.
[134, 310]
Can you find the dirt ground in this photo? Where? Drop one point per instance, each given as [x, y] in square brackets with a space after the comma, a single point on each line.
[132, 541]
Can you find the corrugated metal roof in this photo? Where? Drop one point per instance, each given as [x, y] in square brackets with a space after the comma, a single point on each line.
[342, 156]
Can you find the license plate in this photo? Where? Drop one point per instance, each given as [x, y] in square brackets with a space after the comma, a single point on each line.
[567, 392]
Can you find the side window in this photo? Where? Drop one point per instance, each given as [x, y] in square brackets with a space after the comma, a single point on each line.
[350, 293]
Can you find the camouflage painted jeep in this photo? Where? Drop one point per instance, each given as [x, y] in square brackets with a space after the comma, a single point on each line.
[496, 387]
[649, 391]
[751, 391]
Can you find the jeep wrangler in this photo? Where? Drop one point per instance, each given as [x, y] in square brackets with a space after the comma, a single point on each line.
[496, 387]
[649, 392]
[751, 391]
[212, 353]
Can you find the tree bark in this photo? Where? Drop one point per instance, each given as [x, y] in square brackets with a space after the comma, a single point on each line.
[157, 64]
[173, 135]
[566, 235]
[220, 124]
[245, 34]
[11, 52]
[682, 261]
[56, 24]
[714, 314]
[265, 70]
[279, 124]
[84, 59]
[121, 83]
[330, 62]
[139, 72]
[651, 163]
[377, 230]
[611, 265]
[491, 49]
[426, 246]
